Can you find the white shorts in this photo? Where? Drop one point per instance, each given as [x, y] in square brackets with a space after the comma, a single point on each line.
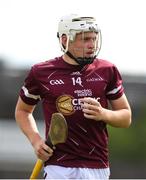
[59, 172]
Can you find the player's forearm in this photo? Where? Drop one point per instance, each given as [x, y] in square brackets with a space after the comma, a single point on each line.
[118, 118]
[26, 122]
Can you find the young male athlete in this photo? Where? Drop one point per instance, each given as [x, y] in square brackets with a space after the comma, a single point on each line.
[80, 86]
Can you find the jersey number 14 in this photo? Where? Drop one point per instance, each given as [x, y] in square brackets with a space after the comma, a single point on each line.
[76, 81]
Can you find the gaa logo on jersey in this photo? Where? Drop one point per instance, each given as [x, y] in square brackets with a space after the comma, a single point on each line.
[56, 82]
[64, 104]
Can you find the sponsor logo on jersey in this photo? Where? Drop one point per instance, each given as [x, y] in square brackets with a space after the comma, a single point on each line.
[56, 82]
[83, 92]
[77, 73]
[67, 104]
[93, 79]
[64, 104]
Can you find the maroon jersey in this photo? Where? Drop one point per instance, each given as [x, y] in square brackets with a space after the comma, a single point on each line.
[60, 86]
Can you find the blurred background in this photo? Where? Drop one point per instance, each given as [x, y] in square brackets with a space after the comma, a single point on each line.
[28, 35]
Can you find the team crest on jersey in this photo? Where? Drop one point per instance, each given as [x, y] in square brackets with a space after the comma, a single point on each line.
[64, 104]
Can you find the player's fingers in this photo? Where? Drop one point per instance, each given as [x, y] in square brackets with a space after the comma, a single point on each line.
[89, 106]
[89, 100]
[47, 148]
[44, 155]
[89, 111]
[88, 116]
[92, 109]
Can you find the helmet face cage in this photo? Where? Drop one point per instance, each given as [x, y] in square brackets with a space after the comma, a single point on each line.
[82, 50]
[72, 25]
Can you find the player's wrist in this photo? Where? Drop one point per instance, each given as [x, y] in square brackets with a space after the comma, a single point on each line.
[35, 138]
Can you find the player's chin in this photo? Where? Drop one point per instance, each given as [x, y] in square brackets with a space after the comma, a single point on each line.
[89, 55]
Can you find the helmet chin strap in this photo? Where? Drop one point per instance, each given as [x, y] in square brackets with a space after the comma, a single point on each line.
[80, 60]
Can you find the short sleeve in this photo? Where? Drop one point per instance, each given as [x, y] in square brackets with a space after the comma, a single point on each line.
[29, 92]
[115, 88]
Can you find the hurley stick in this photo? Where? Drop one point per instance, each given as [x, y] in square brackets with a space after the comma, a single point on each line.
[57, 134]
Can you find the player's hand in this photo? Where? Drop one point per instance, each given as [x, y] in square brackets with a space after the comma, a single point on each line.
[92, 109]
[42, 151]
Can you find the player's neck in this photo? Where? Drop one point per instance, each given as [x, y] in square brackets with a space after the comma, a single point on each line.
[69, 60]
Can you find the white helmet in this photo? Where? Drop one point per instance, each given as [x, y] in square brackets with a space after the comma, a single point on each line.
[72, 24]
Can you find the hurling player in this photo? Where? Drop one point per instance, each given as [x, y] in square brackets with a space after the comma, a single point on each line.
[81, 87]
